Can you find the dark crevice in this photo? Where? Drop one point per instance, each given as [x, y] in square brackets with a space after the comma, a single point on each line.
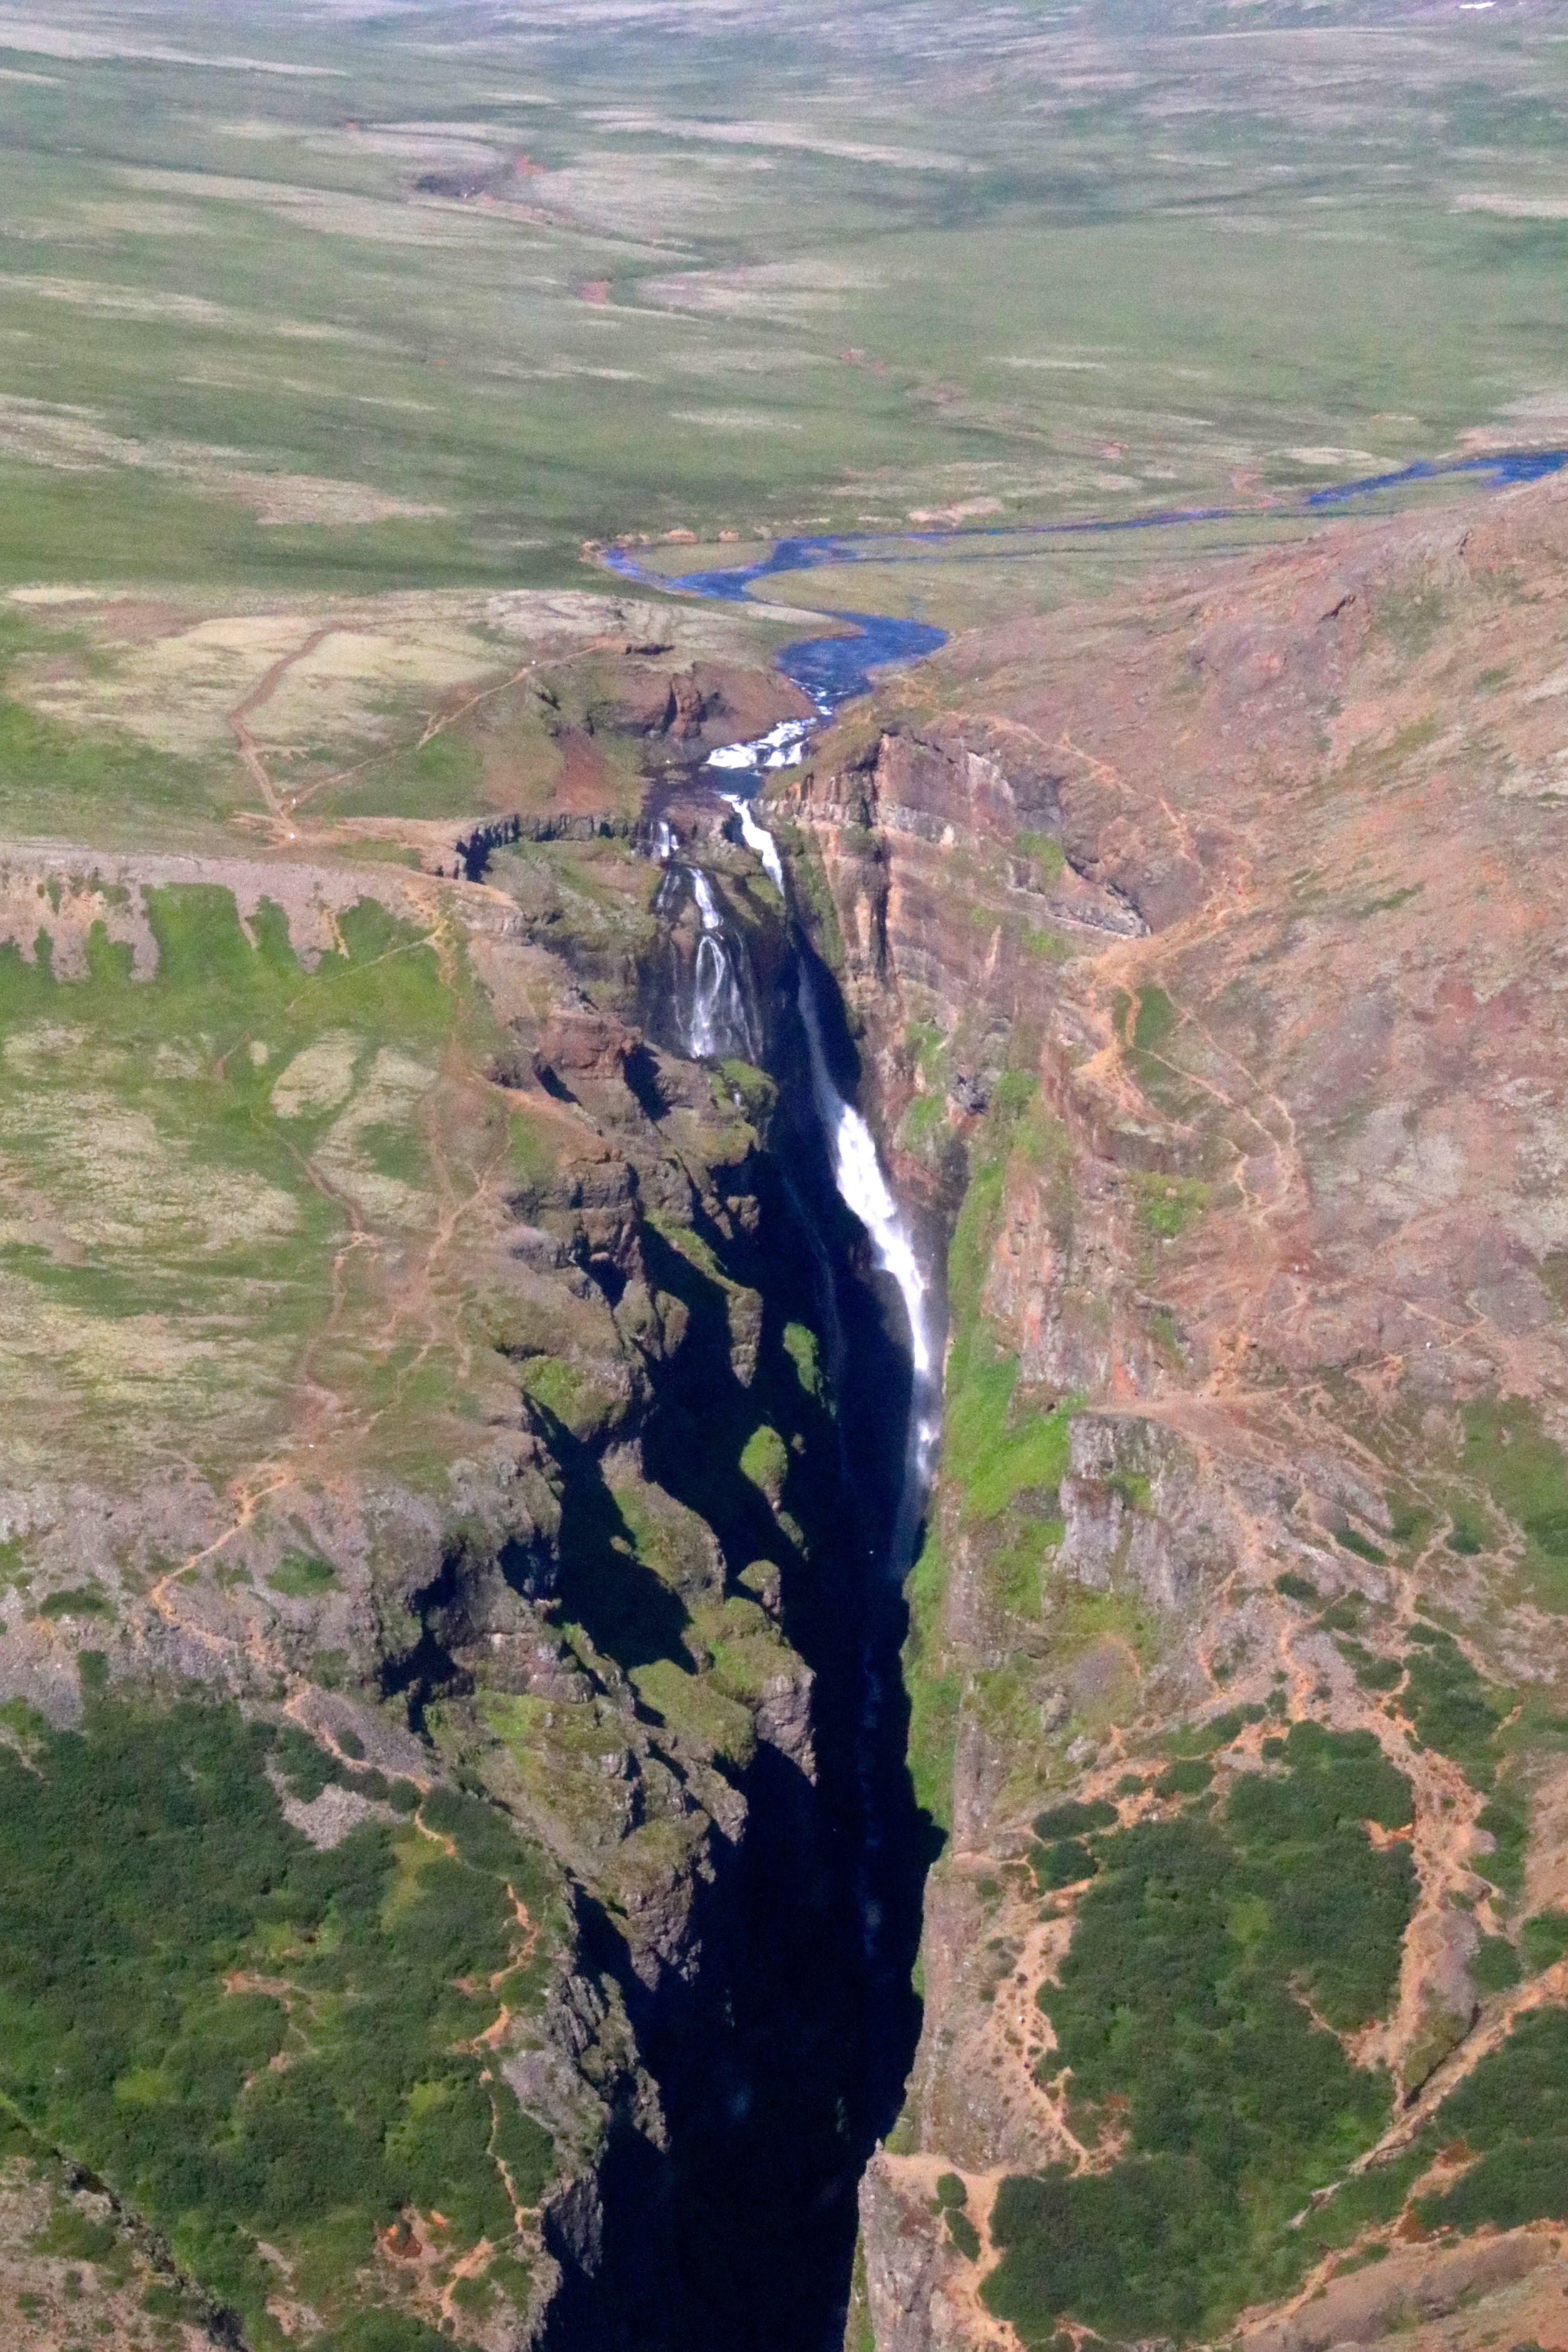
[784, 2062]
[427, 1670]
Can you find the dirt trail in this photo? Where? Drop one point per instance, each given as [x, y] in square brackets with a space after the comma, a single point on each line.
[266, 686]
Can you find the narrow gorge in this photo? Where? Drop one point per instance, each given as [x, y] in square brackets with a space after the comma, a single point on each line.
[761, 1525]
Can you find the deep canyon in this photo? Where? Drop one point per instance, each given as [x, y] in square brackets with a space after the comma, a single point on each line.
[905, 1535]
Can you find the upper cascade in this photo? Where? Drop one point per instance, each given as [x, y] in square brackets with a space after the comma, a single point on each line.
[759, 841]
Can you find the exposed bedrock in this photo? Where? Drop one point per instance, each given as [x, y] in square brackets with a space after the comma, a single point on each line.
[1203, 953]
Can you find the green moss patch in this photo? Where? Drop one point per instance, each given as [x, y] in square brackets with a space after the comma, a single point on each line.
[302, 1576]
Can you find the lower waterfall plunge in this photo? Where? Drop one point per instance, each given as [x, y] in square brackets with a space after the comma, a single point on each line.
[864, 1190]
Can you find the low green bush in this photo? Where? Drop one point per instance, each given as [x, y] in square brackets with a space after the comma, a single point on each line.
[1062, 1864]
[301, 1576]
[964, 2236]
[146, 1875]
[1180, 2011]
[1496, 1966]
[1450, 1706]
[1513, 2110]
[1073, 1819]
[1545, 1938]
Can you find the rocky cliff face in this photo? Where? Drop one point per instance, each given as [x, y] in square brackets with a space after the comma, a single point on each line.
[1207, 954]
[424, 1542]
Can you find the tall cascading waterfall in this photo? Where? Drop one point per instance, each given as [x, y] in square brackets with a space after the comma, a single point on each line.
[825, 2014]
[889, 1928]
[889, 1913]
[716, 1021]
[865, 1192]
[856, 1170]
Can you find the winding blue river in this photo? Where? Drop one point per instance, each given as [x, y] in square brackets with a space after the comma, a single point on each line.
[834, 669]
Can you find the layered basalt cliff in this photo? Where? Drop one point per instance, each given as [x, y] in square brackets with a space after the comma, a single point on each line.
[1206, 952]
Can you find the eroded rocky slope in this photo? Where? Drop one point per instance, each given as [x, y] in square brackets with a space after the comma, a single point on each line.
[1209, 950]
[420, 1504]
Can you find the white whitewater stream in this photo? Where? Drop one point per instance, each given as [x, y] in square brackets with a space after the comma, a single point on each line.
[759, 841]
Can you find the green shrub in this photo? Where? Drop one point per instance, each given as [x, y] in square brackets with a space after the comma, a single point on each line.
[1512, 2185]
[1506, 1820]
[1063, 1864]
[299, 1576]
[1297, 1588]
[1512, 2109]
[1073, 1819]
[1545, 1938]
[1372, 1673]
[1179, 2011]
[1449, 1705]
[1496, 1965]
[964, 2236]
[76, 1601]
[951, 2190]
[1468, 1532]
[145, 1866]
[1220, 1731]
[75, 2236]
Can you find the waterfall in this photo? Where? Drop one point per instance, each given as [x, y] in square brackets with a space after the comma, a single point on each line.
[865, 1192]
[782, 747]
[888, 1933]
[759, 841]
[719, 1021]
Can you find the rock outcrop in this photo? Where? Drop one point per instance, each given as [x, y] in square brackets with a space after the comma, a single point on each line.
[1207, 950]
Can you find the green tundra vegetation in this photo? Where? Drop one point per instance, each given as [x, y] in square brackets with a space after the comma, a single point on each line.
[1526, 1473]
[352, 304]
[1204, 1951]
[255, 2040]
[208, 1135]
